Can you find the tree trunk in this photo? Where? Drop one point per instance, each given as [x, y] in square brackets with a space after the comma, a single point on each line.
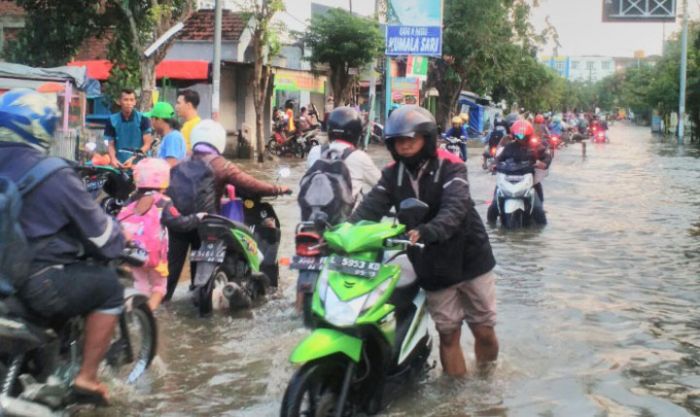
[147, 68]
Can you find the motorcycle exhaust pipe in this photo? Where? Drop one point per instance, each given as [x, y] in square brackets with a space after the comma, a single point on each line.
[236, 296]
[16, 407]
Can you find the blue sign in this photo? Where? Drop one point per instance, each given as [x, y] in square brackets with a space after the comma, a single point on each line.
[414, 27]
[413, 40]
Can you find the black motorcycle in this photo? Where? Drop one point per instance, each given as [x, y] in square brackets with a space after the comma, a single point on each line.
[109, 186]
[236, 260]
[39, 359]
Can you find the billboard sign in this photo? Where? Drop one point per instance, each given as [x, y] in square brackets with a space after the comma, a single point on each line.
[639, 10]
[414, 27]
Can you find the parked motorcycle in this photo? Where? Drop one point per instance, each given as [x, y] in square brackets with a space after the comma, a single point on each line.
[39, 359]
[515, 200]
[372, 335]
[109, 186]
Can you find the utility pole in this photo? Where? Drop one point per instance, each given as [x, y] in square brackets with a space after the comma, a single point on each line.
[372, 87]
[216, 62]
[350, 1]
[684, 69]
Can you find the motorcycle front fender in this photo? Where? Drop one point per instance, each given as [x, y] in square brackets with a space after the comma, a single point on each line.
[513, 204]
[204, 273]
[326, 342]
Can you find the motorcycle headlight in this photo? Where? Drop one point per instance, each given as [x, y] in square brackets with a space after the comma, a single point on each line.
[374, 296]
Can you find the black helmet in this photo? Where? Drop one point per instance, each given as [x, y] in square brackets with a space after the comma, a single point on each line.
[344, 123]
[409, 121]
[510, 119]
[290, 103]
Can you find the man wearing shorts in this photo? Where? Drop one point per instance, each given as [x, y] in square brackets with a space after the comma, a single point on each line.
[455, 267]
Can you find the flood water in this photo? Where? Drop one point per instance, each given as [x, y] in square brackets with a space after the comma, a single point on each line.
[598, 311]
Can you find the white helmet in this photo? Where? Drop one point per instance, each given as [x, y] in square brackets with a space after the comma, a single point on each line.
[210, 132]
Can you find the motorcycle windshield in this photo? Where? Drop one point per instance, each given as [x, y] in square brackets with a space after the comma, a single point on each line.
[361, 237]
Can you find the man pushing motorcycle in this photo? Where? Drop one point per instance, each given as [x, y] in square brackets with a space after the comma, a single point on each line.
[455, 268]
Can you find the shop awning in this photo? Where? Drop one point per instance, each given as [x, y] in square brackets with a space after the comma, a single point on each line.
[175, 70]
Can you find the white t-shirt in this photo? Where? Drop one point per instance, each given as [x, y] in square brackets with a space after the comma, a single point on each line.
[364, 174]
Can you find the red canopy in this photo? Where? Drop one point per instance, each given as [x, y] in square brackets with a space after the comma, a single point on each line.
[175, 70]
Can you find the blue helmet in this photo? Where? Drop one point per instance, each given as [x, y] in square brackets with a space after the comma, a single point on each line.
[28, 116]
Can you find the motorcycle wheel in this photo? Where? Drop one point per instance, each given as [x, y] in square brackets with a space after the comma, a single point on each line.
[314, 390]
[513, 220]
[299, 150]
[142, 329]
[273, 147]
[205, 293]
[492, 213]
[308, 313]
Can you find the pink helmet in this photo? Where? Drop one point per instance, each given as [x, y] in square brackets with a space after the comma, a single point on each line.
[152, 173]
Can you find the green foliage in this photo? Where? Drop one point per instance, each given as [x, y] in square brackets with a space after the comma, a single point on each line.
[342, 41]
[125, 71]
[489, 48]
[645, 88]
[54, 30]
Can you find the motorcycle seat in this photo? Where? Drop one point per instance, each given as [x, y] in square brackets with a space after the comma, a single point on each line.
[14, 307]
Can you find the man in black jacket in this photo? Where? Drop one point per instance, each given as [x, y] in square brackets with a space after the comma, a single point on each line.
[455, 268]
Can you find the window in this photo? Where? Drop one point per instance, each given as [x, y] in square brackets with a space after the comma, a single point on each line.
[574, 65]
[559, 66]
[605, 66]
[590, 65]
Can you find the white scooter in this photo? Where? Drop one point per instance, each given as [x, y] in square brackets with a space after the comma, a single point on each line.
[516, 200]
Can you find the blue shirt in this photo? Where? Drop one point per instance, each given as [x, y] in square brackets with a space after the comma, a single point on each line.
[127, 133]
[172, 146]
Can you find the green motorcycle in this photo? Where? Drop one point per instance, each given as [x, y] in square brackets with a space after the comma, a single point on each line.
[372, 327]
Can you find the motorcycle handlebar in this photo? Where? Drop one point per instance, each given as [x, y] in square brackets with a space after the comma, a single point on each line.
[405, 242]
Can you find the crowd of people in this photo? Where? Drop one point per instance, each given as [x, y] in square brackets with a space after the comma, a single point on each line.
[455, 269]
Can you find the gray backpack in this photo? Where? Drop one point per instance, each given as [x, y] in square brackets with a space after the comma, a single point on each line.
[327, 187]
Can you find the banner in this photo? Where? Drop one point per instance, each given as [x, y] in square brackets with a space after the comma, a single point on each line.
[405, 90]
[417, 66]
[414, 27]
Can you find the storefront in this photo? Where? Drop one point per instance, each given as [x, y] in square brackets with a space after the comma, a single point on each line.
[303, 87]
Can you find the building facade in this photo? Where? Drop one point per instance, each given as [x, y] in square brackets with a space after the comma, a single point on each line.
[581, 68]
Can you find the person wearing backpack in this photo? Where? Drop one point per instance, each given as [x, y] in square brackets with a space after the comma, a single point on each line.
[197, 185]
[343, 169]
[146, 221]
[344, 134]
[51, 222]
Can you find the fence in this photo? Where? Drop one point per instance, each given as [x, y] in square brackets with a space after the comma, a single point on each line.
[66, 145]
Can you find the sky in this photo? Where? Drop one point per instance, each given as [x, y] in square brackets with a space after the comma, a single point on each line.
[579, 24]
[582, 31]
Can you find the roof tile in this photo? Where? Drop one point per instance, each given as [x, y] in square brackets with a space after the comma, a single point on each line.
[200, 26]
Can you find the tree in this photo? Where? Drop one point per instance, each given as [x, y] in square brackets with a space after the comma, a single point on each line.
[266, 45]
[488, 48]
[54, 30]
[343, 41]
[137, 24]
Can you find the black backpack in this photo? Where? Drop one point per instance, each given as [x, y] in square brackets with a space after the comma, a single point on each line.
[192, 187]
[327, 187]
[15, 253]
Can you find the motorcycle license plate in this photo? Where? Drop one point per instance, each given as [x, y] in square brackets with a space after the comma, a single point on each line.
[306, 263]
[514, 178]
[355, 267]
[209, 252]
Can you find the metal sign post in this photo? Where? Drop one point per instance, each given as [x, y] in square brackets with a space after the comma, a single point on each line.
[684, 69]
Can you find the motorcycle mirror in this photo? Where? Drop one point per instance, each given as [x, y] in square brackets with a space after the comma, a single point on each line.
[284, 172]
[412, 211]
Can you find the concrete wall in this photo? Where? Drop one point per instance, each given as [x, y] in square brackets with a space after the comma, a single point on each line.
[201, 50]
